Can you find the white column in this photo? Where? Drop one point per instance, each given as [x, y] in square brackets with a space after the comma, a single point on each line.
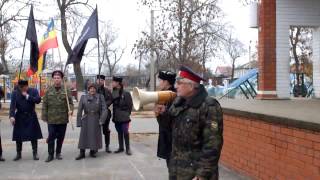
[282, 59]
[316, 62]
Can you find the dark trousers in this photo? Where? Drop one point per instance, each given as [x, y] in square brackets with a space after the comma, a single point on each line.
[56, 132]
[123, 134]
[34, 144]
[0, 147]
[106, 132]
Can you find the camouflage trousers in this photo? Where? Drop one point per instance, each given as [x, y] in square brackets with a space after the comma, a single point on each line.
[187, 171]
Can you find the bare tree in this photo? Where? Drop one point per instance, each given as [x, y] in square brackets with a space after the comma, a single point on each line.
[68, 7]
[182, 30]
[10, 13]
[234, 49]
[301, 50]
[111, 52]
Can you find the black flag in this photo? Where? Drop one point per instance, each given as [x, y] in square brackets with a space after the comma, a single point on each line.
[31, 35]
[90, 30]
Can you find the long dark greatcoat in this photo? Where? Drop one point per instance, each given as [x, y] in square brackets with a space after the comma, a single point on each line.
[92, 112]
[26, 127]
[165, 136]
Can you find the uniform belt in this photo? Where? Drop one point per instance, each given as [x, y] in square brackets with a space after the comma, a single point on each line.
[21, 112]
[92, 112]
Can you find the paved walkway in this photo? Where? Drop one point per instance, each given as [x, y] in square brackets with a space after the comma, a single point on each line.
[142, 165]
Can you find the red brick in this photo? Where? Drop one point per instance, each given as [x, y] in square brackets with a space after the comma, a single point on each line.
[281, 137]
[274, 128]
[294, 147]
[293, 154]
[299, 133]
[300, 141]
[311, 170]
[316, 146]
[317, 154]
[313, 137]
[270, 134]
[306, 159]
[316, 162]
[286, 131]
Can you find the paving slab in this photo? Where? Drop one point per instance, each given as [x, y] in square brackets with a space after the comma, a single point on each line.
[142, 165]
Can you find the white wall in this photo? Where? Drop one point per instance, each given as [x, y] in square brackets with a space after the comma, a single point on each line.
[316, 62]
[297, 13]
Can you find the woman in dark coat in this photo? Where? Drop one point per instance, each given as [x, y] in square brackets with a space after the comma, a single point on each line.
[166, 83]
[95, 112]
[24, 119]
[1, 96]
[122, 107]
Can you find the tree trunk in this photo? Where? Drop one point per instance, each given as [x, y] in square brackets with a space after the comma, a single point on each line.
[64, 32]
[4, 65]
[180, 31]
[294, 52]
[232, 70]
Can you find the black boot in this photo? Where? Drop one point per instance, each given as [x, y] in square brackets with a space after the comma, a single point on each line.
[107, 141]
[49, 158]
[50, 151]
[34, 145]
[58, 149]
[120, 140]
[19, 149]
[1, 158]
[18, 156]
[127, 142]
[58, 156]
[82, 154]
[93, 153]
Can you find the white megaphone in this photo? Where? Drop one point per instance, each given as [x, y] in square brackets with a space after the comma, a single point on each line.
[141, 98]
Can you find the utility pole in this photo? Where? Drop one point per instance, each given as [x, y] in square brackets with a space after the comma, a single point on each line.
[152, 60]
[250, 53]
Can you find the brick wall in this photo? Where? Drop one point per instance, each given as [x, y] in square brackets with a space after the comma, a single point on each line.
[270, 151]
[267, 49]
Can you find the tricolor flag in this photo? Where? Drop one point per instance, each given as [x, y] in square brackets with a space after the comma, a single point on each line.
[48, 41]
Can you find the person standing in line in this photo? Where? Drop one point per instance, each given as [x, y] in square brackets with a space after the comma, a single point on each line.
[24, 118]
[55, 113]
[122, 107]
[1, 158]
[91, 115]
[166, 83]
[101, 89]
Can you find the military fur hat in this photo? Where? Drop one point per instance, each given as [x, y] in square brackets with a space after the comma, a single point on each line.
[167, 75]
[117, 79]
[23, 82]
[101, 76]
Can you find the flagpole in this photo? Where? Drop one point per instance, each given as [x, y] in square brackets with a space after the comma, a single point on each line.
[65, 90]
[99, 63]
[24, 44]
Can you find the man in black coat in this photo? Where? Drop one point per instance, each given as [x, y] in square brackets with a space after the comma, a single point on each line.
[166, 83]
[108, 100]
[24, 119]
[122, 107]
[1, 96]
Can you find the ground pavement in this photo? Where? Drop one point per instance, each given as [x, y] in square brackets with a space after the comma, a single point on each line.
[142, 165]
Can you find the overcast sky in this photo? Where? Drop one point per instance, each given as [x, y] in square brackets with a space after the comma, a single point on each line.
[130, 20]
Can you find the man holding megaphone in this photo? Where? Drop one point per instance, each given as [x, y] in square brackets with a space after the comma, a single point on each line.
[197, 125]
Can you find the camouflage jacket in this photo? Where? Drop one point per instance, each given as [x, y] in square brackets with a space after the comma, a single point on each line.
[197, 127]
[54, 106]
